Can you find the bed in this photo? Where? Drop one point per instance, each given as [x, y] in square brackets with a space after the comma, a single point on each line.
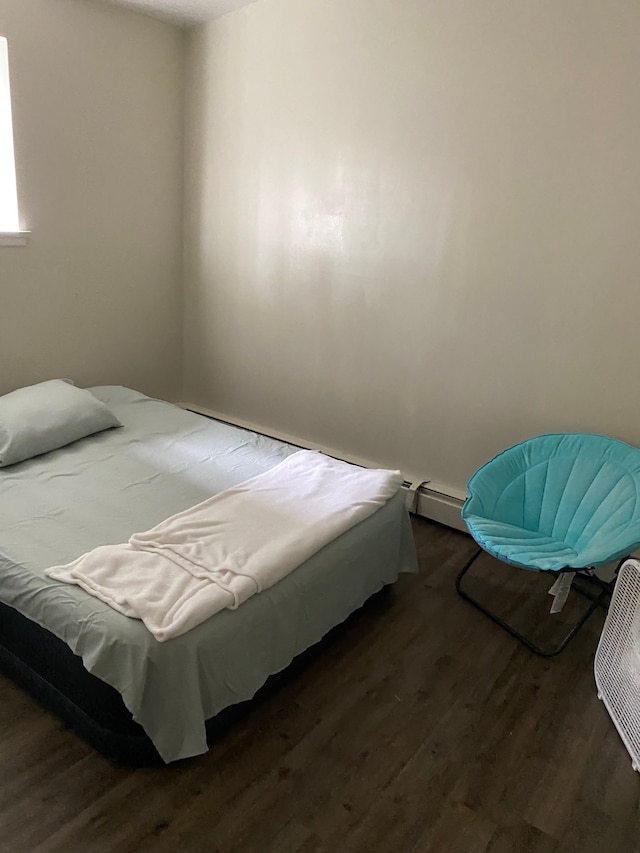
[131, 696]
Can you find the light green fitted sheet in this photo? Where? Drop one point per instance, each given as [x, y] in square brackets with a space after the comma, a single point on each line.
[102, 489]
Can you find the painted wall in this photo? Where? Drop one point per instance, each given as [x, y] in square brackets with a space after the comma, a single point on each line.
[98, 125]
[412, 227]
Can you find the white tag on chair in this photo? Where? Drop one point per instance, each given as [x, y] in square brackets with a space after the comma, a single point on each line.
[560, 591]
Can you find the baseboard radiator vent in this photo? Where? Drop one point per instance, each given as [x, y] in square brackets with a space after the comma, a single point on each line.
[431, 501]
[428, 499]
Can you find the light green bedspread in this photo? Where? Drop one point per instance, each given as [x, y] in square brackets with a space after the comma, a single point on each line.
[103, 489]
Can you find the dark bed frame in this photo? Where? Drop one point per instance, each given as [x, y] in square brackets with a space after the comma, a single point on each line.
[47, 669]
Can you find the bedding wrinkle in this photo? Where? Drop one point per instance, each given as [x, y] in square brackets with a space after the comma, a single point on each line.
[144, 481]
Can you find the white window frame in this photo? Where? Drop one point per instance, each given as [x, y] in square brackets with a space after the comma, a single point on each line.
[10, 232]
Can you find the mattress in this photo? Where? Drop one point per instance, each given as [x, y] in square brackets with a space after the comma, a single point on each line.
[103, 489]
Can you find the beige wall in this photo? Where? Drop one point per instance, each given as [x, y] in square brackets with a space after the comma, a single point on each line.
[98, 111]
[412, 227]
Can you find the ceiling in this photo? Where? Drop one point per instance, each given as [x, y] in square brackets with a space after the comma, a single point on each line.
[184, 12]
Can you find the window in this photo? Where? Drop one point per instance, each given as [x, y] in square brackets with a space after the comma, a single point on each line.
[10, 234]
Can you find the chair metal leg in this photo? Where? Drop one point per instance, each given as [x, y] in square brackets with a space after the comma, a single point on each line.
[596, 601]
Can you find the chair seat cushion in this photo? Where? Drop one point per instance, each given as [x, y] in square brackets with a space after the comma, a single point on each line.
[569, 500]
[526, 549]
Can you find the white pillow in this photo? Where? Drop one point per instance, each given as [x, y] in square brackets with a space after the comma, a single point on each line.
[46, 416]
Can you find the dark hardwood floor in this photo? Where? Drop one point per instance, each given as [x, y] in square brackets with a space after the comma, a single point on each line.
[420, 727]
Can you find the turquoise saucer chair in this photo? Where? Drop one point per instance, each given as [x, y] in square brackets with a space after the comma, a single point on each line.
[568, 502]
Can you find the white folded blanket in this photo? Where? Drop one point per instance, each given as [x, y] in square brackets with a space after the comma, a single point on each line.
[218, 553]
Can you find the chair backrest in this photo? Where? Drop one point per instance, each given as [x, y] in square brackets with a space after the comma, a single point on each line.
[571, 487]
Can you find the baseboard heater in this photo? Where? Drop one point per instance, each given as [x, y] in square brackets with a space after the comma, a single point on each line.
[424, 498]
[435, 503]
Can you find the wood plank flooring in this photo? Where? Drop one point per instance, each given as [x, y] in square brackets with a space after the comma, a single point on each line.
[421, 727]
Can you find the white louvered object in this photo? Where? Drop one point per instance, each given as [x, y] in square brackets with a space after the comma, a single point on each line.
[617, 662]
